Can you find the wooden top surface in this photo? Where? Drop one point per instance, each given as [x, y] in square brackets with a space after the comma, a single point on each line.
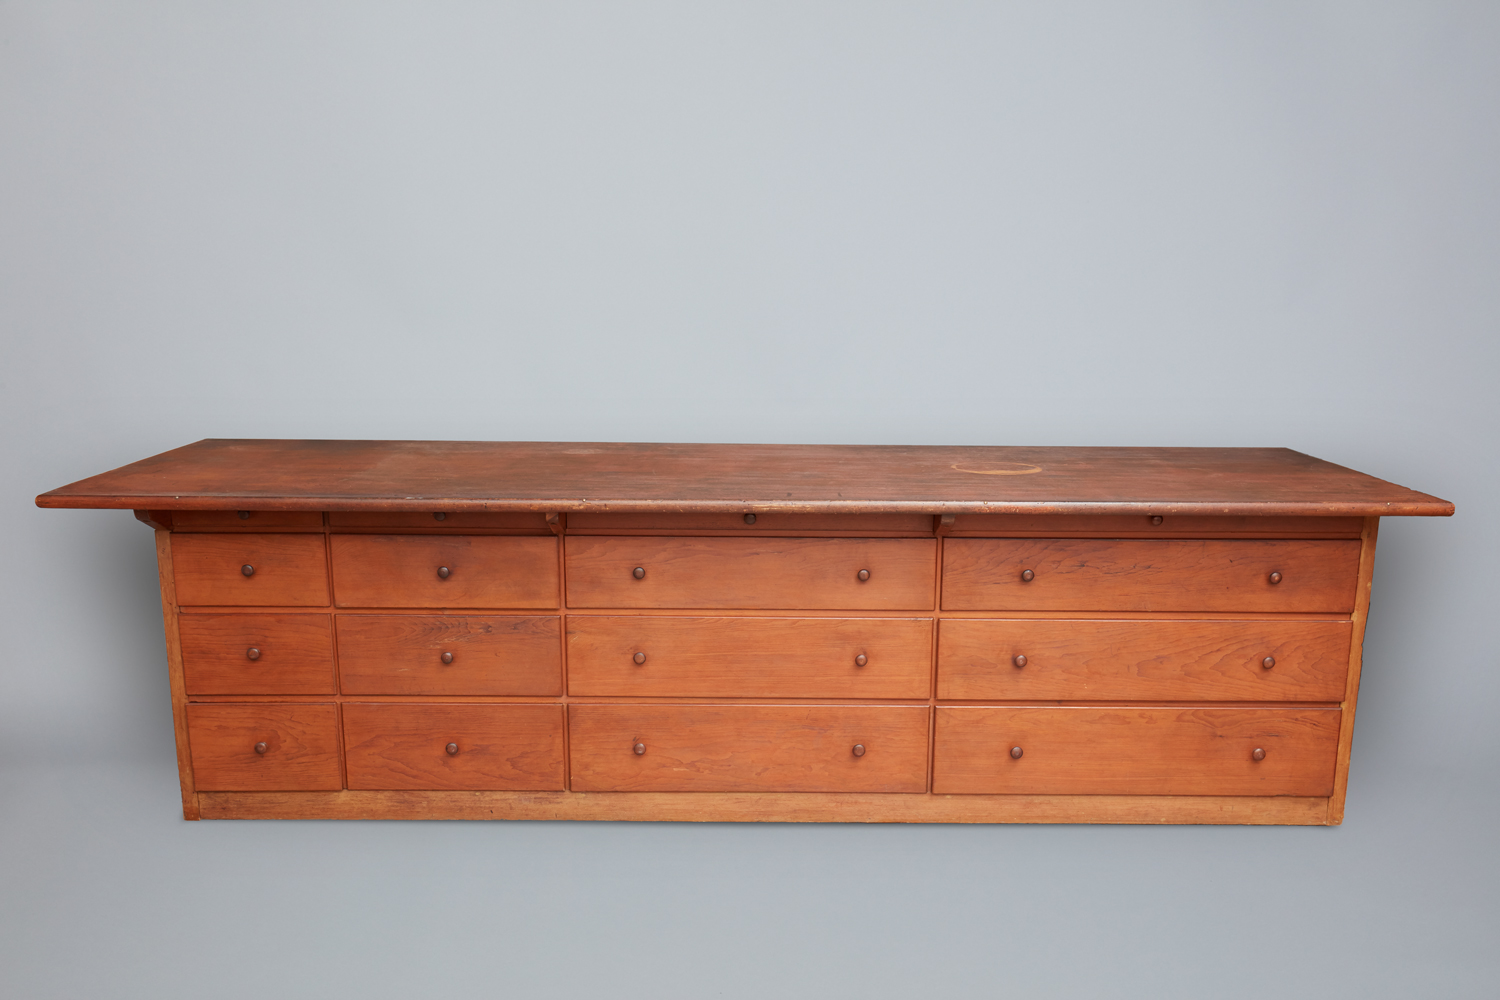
[520, 476]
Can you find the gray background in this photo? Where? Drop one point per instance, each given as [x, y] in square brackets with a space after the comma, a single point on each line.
[1121, 224]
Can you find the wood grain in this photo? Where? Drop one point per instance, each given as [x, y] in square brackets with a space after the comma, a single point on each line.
[230, 520]
[1356, 660]
[517, 521]
[402, 746]
[1136, 751]
[491, 654]
[1142, 660]
[798, 748]
[290, 570]
[486, 571]
[771, 522]
[1074, 574]
[295, 654]
[302, 746]
[1146, 526]
[175, 677]
[750, 573]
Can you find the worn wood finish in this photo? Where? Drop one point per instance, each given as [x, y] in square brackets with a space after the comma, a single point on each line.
[520, 522]
[252, 520]
[175, 676]
[1356, 659]
[290, 570]
[488, 655]
[716, 748]
[403, 746]
[703, 657]
[485, 571]
[772, 522]
[293, 654]
[1145, 526]
[1135, 751]
[301, 740]
[1140, 575]
[754, 574]
[1094, 659]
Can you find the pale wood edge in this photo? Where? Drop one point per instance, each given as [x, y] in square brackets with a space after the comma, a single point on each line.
[190, 808]
[1356, 658]
[770, 807]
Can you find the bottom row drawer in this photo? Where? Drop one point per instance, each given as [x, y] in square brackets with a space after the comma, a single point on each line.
[767, 748]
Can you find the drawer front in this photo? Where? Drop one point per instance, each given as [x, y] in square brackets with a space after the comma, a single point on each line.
[245, 520]
[300, 747]
[751, 573]
[497, 747]
[1112, 574]
[284, 570]
[521, 522]
[1142, 660]
[1170, 525]
[749, 657]
[760, 748]
[770, 523]
[450, 654]
[257, 654]
[1135, 751]
[484, 571]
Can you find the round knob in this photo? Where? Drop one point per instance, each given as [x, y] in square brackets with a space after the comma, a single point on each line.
[749, 518]
[1019, 659]
[252, 653]
[261, 748]
[863, 575]
[639, 572]
[861, 660]
[452, 749]
[1257, 754]
[639, 657]
[1027, 576]
[639, 749]
[1268, 662]
[446, 657]
[1155, 520]
[439, 516]
[247, 569]
[244, 515]
[444, 572]
[1275, 578]
[1016, 752]
[859, 749]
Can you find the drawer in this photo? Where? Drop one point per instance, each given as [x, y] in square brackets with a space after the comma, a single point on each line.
[299, 747]
[760, 748]
[245, 520]
[770, 523]
[1150, 660]
[1135, 751]
[751, 573]
[1169, 525]
[1113, 574]
[496, 747]
[257, 654]
[283, 570]
[749, 657]
[485, 654]
[407, 571]
[521, 522]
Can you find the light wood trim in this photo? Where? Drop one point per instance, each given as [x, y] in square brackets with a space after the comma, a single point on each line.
[1356, 657]
[770, 807]
[175, 676]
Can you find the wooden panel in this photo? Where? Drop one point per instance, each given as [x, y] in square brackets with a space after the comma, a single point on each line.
[500, 475]
[289, 570]
[1356, 658]
[485, 571]
[1138, 575]
[1135, 751]
[175, 680]
[1175, 525]
[693, 657]
[1142, 660]
[754, 574]
[490, 654]
[301, 746]
[799, 748]
[761, 523]
[499, 746]
[292, 654]
[245, 520]
[518, 521]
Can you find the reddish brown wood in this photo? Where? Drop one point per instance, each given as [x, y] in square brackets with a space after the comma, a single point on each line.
[1356, 657]
[466, 475]
[1143, 575]
[231, 520]
[301, 746]
[289, 570]
[489, 655]
[293, 654]
[498, 746]
[1082, 660]
[521, 522]
[1147, 526]
[485, 571]
[699, 657]
[1136, 751]
[175, 679]
[716, 748]
[772, 522]
[749, 573]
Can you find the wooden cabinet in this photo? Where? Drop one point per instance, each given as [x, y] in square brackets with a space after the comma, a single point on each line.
[472, 630]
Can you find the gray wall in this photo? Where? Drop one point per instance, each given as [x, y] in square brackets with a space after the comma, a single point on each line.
[897, 222]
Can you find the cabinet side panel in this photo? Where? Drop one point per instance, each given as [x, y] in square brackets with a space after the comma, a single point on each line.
[1356, 657]
[174, 673]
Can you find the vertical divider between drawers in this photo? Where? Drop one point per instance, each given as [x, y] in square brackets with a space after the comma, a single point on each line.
[338, 676]
[562, 639]
[932, 678]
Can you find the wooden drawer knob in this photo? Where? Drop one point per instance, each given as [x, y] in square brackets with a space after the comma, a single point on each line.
[244, 515]
[639, 657]
[1019, 659]
[1016, 752]
[252, 653]
[247, 569]
[749, 518]
[452, 749]
[1156, 520]
[639, 572]
[863, 575]
[261, 748]
[639, 749]
[859, 750]
[439, 516]
[444, 572]
[861, 660]
[1268, 663]
[1027, 576]
[1257, 754]
[1275, 578]
[446, 657]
